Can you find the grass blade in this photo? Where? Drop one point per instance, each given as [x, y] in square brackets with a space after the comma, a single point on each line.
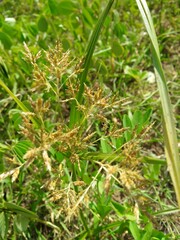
[19, 103]
[11, 94]
[11, 207]
[74, 116]
[170, 136]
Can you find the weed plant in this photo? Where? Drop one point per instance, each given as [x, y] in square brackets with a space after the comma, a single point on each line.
[81, 145]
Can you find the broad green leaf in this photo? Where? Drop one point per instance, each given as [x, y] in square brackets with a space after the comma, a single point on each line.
[131, 72]
[106, 148]
[3, 225]
[66, 7]
[21, 223]
[147, 115]
[66, 44]
[126, 121]
[134, 230]
[137, 118]
[11, 31]
[117, 50]
[6, 40]
[53, 6]
[148, 233]
[16, 119]
[62, 7]
[42, 24]
[152, 171]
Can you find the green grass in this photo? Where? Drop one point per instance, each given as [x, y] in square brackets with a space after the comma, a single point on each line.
[82, 141]
[169, 128]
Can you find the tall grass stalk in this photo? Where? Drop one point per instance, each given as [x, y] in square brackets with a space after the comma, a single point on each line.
[169, 129]
[74, 116]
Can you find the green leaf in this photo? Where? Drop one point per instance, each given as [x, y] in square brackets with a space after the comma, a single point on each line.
[42, 24]
[53, 6]
[134, 73]
[127, 124]
[126, 121]
[147, 115]
[20, 104]
[148, 234]
[3, 225]
[152, 171]
[15, 117]
[134, 230]
[88, 17]
[153, 160]
[11, 31]
[119, 209]
[106, 148]
[137, 118]
[61, 8]
[66, 7]
[32, 27]
[21, 223]
[21, 148]
[20, 210]
[117, 50]
[6, 206]
[66, 44]
[6, 40]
